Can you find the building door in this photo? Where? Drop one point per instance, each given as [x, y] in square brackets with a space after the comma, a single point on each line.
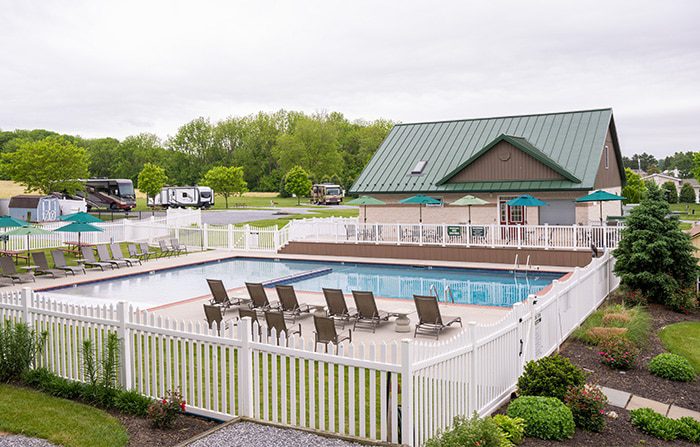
[510, 215]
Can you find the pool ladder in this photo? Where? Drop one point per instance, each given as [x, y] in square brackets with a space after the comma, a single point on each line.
[447, 292]
[516, 264]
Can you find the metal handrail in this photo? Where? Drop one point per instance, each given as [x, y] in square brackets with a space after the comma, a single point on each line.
[433, 289]
[516, 264]
[448, 291]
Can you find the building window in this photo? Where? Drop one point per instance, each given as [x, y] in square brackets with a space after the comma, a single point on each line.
[606, 154]
[418, 169]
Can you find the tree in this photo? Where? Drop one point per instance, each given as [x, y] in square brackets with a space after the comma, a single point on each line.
[152, 178]
[644, 161]
[53, 164]
[655, 256]
[297, 182]
[687, 194]
[225, 181]
[634, 189]
[670, 192]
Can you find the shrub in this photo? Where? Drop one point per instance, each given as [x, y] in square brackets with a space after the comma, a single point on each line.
[545, 417]
[683, 300]
[472, 432]
[19, 347]
[634, 298]
[688, 429]
[513, 428]
[654, 424]
[549, 376]
[132, 402]
[618, 353]
[102, 377]
[634, 323]
[586, 403]
[672, 367]
[49, 383]
[162, 413]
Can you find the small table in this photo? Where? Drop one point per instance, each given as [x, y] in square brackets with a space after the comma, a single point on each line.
[402, 324]
[30, 268]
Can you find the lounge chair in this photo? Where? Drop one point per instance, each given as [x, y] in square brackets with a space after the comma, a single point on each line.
[103, 253]
[430, 321]
[289, 303]
[164, 249]
[6, 282]
[146, 250]
[253, 315]
[119, 255]
[59, 261]
[213, 314]
[134, 253]
[40, 261]
[258, 297]
[275, 320]
[177, 248]
[368, 316]
[326, 333]
[90, 260]
[336, 308]
[10, 271]
[219, 295]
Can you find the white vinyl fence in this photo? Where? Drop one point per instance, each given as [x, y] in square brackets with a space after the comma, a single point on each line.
[399, 391]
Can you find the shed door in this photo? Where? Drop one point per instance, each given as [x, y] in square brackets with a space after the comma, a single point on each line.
[559, 212]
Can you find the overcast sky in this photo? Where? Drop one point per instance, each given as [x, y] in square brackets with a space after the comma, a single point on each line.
[114, 69]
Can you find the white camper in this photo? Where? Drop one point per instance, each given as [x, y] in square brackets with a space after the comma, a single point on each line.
[183, 197]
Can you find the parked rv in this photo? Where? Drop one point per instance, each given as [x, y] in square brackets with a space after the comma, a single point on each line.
[326, 194]
[115, 194]
[183, 197]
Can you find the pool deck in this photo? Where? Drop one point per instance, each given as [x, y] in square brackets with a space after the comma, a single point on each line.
[192, 310]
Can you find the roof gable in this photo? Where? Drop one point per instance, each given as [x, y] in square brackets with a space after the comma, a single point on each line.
[552, 171]
[571, 140]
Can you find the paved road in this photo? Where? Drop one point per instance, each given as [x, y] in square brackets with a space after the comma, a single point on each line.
[217, 217]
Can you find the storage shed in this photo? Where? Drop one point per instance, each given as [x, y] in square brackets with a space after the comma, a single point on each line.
[35, 208]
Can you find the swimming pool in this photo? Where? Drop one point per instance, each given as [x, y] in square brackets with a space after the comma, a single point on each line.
[468, 286]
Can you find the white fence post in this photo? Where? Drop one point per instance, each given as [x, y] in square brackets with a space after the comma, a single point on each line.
[471, 327]
[124, 335]
[26, 297]
[246, 236]
[229, 236]
[407, 413]
[205, 237]
[245, 368]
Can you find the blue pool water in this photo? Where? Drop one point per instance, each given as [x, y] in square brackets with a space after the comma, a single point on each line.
[469, 286]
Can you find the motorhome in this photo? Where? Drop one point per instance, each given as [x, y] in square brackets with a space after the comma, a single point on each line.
[115, 194]
[183, 197]
[326, 194]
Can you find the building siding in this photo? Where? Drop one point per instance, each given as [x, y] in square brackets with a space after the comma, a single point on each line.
[610, 177]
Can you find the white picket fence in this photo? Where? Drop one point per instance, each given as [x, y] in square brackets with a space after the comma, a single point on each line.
[399, 391]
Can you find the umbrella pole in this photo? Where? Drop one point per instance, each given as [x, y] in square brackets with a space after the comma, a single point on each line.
[365, 213]
[28, 249]
[470, 214]
[420, 213]
[601, 212]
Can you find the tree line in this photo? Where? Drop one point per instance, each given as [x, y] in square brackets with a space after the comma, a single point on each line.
[264, 146]
[685, 162]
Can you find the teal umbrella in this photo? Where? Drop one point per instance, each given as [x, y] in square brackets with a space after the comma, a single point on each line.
[10, 222]
[600, 196]
[81, 217]
[526, 200]
[420, 200]
[26, 231]
[469, 201]
[79, 227]
[364, 201]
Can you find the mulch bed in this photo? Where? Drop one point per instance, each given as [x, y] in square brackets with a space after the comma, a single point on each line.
[639, 381]
[142, 435]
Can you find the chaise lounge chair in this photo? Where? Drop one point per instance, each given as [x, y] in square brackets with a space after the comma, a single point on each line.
[430, 321]
[213, 314]
[59, 261]
[90, 260]
[368, 316]
[275, 320]
[164, 249]
[146, 250]
[134, 253]
[258, 297]
[40, 260]
[219, 295]
[336, 308]
[103, 253]
[326, 333]
[10, 271]
[289, 303]
[177, 248]
[119, 255]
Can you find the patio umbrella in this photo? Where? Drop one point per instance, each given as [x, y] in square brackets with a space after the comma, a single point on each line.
[526, 200]
[364, 201]
[27, 231]
[11, 222]
[469, 201]
[81, 217]
[600, 196]
[421, 200]
[79, 227]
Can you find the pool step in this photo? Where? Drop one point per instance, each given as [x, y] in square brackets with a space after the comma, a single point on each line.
[297, 276]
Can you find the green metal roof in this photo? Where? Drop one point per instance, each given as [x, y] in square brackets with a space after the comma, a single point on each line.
[571, 143]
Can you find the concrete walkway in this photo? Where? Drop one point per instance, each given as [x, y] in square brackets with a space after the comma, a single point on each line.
[629, 401]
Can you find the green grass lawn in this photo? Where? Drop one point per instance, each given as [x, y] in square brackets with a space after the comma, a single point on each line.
[60, 421]
[683, 339]
[317, 212]
[248, 200]
[688, 211]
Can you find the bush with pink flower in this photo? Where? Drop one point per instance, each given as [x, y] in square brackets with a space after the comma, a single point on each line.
[587, 403]
[162, 413]
[618, 353]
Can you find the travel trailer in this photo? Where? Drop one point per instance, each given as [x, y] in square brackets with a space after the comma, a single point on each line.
[183, 197]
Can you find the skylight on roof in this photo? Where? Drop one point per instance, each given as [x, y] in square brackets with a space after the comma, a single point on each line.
[418, 169]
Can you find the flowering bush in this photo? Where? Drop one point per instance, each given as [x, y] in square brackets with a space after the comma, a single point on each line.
[586, 403]
[618, 353]
[162, 413]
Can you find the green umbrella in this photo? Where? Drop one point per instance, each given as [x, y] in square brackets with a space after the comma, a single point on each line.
[81, 217]
[11, 222]
[526, 200]
[79, 227]
[26, 231]
[469, 201]
[600, 196]
[364, 201]
[420, 200]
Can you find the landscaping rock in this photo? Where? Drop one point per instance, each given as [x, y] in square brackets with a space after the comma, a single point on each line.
[23, 441]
